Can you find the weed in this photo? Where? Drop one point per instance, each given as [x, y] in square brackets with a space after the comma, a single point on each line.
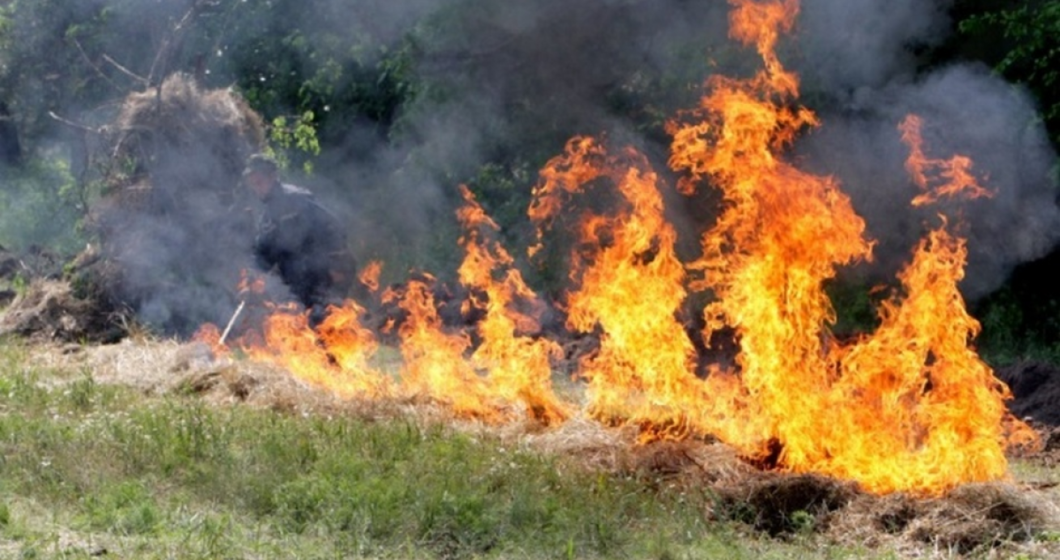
[125, 508]
[802, 522]
[81, 392]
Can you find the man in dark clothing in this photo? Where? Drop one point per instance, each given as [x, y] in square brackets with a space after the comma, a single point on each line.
[10, 151]
[300, 239]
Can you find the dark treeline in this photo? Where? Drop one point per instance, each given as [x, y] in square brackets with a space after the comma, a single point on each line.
[384, 107]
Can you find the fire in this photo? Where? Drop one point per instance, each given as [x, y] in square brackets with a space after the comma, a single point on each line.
[519, 367]
[781, 234]
[507, 368]
[250, 283]
[210, 335]
[335, 356]
[919, 409]
[631, 285]
[909, 407]
[956, 171]
[370, 275]
[434, 364]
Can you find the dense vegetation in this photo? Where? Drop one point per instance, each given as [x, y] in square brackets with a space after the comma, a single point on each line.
[368, 98]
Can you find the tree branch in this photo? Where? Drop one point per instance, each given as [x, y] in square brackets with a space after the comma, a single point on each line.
[126, 71]
[73, 124]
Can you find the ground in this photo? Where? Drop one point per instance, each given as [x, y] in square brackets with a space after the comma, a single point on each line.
[1020, 516]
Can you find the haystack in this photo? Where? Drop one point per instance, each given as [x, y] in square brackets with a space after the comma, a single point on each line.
[173, 225]
[48, 310]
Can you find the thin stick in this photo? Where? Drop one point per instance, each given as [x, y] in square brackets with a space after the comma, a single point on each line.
[89, 62]
[231, 322]
[125, 70]
[73, 124]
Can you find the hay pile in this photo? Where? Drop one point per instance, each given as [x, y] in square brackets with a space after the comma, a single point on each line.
[9, 268]
[47, 309]
[173, 225]
[1035, 391]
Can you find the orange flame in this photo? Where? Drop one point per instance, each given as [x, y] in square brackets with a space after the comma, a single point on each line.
[210, 335]
[631, 285]
[370, 275]
[919, 409]
[955, 172]
[519, 366]
[781, 234]
[909, 407]
[335, 356]
[250, 282]
[434, 364]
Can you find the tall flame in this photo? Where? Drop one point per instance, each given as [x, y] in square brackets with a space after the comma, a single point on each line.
[915, 407]
[630, 285]
[519, 366]
[909, 407]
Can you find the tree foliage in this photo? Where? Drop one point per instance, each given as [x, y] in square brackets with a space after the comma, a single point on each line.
[1031, 51]
[65, 65]
[337, 79]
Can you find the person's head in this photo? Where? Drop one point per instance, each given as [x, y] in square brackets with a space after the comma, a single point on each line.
[260, 175]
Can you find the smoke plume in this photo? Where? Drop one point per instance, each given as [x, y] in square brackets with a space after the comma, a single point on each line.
[508, 83]
[861, 58]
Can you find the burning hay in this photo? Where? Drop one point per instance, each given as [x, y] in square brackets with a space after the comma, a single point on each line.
[171, 228]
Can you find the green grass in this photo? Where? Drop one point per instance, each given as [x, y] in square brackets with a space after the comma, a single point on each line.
[87, 468]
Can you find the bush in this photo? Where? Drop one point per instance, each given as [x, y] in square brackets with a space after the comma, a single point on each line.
[43, 206]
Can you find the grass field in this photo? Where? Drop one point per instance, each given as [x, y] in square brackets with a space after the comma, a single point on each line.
[95, 469]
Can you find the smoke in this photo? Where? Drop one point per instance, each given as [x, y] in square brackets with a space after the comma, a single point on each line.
[508, 83]
[860, 57]
[854, 44]
[533, 74]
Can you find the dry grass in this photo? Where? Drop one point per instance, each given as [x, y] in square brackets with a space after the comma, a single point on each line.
[980, 520]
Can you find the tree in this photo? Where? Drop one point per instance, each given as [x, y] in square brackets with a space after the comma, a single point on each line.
[1031, 53]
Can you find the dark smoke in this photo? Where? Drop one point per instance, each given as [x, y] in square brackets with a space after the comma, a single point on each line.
[861, 58]
[535, 73]
[538, 73]
[512, 82]
[853, 44]
[503, 82]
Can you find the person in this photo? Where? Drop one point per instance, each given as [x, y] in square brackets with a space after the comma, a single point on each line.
[299, 239]
[10, 151]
